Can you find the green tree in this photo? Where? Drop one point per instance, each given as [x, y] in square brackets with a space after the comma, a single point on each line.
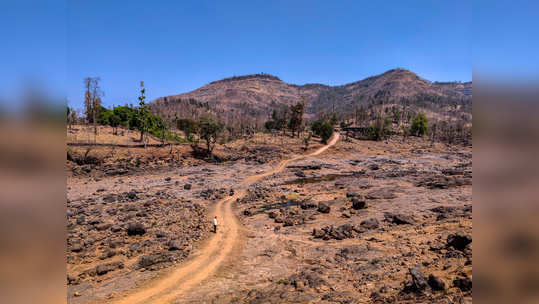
[306, 141]
[419, 125]
[142, 115]
[208, 131]
[188, 126]
[326, 130]
[114, 122]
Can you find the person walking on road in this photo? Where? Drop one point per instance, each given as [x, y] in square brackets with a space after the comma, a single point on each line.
[215, 224]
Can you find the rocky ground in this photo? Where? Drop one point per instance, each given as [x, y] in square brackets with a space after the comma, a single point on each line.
[364, 222]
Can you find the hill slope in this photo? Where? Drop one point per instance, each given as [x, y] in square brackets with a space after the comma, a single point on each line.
[257, 94]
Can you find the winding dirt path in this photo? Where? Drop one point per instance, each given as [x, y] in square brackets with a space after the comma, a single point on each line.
[208, 259]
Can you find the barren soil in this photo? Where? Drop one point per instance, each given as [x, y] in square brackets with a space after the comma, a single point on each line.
[359, 222]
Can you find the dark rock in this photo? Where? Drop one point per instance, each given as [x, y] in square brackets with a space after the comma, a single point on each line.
[108, 254]
[307, 204]
[109, 198]
[399, 219]
[351, 194]
[318, 233]
[114, 243]
[161, 234]
[104, 226]
[101, 189]
[247, 212]
[76, 248]
[132, 195]
[373, 167]
[323, 207]
[108, 267]
[174, 245]
[459, 240]
[337, 233]
[168, 179]
[288, 222]
[134, 247]
[358, 203]
[187, 186]
[418, 278]
[272, 215]
[463, 283]
[72, 279]
[135, 228]
[436, 283]
[116, 228]
[300, 174]
[148, 260]
[371, 223]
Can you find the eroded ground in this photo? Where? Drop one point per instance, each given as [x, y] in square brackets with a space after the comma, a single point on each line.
[362, 222]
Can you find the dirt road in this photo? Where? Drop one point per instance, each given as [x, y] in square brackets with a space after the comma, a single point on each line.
[212, 255]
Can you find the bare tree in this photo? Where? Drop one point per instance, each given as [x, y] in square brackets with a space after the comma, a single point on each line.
[92, 100]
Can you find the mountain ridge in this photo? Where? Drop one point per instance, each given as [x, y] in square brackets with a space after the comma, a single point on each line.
[259, 93]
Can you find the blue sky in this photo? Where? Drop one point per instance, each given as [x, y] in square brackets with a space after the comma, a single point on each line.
[178, 46]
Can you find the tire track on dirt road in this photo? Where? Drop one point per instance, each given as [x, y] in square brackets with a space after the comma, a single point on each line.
[212, 255]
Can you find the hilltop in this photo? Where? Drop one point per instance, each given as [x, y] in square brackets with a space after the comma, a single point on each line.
[259, 93]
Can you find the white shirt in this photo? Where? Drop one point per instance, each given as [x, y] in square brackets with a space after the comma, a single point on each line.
[215, 221]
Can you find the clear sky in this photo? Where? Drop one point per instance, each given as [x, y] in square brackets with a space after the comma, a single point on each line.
[178, 46]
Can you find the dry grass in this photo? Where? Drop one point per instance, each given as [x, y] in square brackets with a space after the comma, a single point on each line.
[105, 135]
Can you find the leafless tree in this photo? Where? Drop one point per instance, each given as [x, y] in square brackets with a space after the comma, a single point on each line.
[92, 100]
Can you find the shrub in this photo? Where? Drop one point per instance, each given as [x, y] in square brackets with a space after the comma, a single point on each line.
[419, 125]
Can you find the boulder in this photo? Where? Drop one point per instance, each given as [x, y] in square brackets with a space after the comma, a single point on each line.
[318, 233]
[399, 219]
[161, 234]
[371, 223]
[418, 278]
[132, 195]
[108, 267]
[436, 283]
[76, 248]
[148, 260]
[459, 240]
[463, 283]
[135, 228]
[174, 245]
[104, 226]
[288, 222]
[359, 202]
[108, 254]
[323, 207]
[307, 204]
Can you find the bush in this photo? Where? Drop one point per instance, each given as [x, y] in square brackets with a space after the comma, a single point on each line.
[208, 131]
[270, 125]
[419, 125]
[322, 128]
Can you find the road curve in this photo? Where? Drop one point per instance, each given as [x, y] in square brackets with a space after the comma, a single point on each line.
[212, 255]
